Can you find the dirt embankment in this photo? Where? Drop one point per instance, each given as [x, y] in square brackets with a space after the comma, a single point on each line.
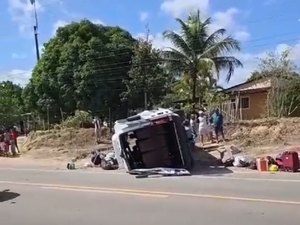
[258, 137]
[63, 144]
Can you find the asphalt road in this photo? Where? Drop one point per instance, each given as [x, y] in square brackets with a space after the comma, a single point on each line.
[50, 197]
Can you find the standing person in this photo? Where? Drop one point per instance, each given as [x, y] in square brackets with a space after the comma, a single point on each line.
[2, 144]
[194, 124]
[6, 142]
[217, 119]
[97, 125]
[190, 134]
[203, 126]
[14, 137]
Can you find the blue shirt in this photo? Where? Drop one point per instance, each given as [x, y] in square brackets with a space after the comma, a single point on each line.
[217, 119]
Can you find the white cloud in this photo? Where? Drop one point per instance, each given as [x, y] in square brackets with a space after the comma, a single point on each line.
[17, 76]
[293, 49]
[18, 55]
[251, 62]
[223, 19]
[22, 13]
[144, 16]
[177, 8]
[228, 20]
[242, 35]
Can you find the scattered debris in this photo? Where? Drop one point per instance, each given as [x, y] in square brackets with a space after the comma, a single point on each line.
[71, 165]
[143, 173]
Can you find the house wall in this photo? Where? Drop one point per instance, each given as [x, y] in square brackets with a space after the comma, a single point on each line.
[257, 105]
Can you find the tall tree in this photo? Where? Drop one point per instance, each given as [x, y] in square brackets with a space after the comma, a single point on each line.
[284, 94]
[275, 65]
[195, 48]
[82, 67]
[11, 104]
[147, 79]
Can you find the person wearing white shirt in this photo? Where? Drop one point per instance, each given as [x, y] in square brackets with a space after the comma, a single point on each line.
[97, 124]
[203, 127]
[194, 125]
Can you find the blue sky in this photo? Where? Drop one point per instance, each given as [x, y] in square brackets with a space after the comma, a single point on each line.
[260, 25]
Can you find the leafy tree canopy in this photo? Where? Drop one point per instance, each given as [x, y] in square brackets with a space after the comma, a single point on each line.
[147, 78]
[11, 103]
[82, 67]
[284, 95]
[275, 65]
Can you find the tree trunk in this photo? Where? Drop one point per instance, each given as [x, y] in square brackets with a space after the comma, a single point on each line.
[145, 100]
[194, 80]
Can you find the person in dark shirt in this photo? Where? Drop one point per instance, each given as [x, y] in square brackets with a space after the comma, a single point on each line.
[217, 120]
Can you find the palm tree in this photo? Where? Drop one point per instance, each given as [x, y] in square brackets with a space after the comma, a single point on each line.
[195, 50]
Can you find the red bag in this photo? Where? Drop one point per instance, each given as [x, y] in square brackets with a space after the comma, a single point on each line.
[290, 161]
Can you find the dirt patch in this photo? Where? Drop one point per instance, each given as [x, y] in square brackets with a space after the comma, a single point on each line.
[265, 136]
[255, 138]
[63, 144]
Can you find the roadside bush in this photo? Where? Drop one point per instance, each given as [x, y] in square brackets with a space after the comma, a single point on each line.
[81, 119]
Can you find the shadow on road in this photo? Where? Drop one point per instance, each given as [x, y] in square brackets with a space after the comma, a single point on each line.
[7, 195]
[208, 164]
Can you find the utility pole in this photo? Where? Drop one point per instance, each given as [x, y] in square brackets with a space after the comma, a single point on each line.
[145, 81]
[35, 29]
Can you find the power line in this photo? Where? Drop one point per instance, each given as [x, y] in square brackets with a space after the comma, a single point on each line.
[127, 64]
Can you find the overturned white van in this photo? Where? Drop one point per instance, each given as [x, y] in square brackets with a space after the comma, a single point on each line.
[152, 139]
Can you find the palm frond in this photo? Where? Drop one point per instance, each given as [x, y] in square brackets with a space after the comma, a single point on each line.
[207, 22]
[174, 55]
[198, 32]
[186, 33]
[214, 37]
[221, 47]
[228, 63]
[175, 60]
[178, 42]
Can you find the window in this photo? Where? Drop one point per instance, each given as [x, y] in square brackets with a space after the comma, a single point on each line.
[245, 103]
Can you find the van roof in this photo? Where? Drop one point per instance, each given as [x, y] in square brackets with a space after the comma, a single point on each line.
[140, 120]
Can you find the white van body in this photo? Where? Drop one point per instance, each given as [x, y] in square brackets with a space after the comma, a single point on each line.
[151, 139]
